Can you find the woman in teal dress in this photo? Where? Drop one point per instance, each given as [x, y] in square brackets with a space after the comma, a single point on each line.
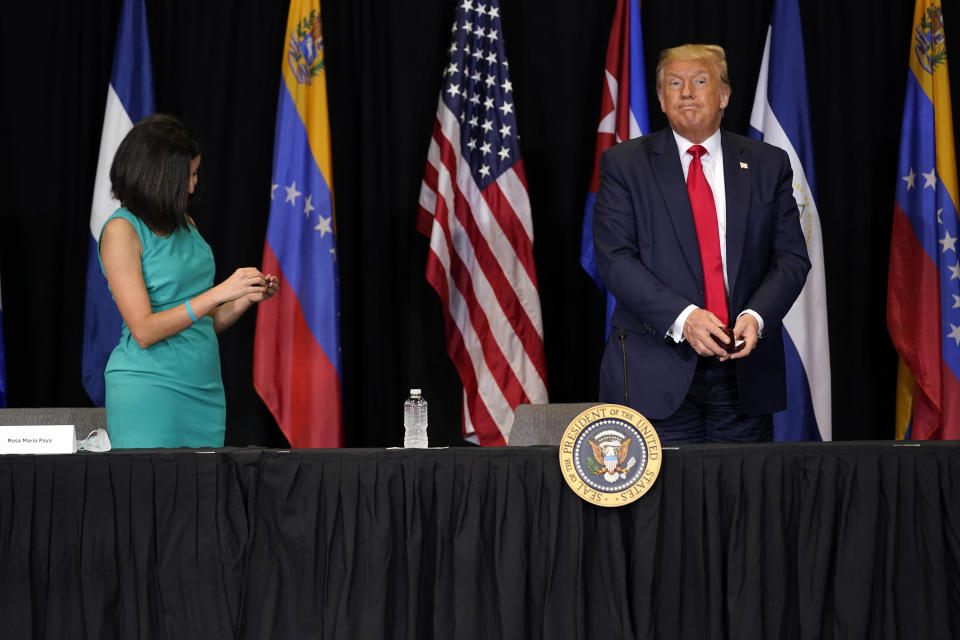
[163, 382]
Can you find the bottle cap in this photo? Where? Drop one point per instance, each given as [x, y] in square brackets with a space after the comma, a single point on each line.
[415, 392]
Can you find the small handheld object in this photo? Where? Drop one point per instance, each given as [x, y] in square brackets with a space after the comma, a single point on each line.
[731, 347]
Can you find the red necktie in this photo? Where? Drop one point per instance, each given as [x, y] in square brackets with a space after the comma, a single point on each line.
[708, 235]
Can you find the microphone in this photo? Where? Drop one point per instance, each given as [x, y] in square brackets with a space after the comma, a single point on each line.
[623, 350]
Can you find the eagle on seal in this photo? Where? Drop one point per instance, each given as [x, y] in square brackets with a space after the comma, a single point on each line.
[610, 457]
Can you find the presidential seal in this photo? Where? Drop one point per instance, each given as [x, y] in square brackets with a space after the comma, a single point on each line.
[610, 455]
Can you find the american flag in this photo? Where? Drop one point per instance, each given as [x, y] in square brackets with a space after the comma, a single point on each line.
[475, 209]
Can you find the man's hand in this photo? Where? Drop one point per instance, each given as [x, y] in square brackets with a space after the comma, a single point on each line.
[746, 329]
[697, 329]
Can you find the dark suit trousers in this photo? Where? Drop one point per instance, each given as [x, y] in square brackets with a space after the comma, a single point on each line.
[711, 411]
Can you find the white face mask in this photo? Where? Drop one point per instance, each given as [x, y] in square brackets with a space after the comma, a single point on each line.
[97, 441]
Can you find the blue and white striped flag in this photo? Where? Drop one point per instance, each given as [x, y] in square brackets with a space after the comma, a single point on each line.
[129, 98]
[780, 117]
[3, 363]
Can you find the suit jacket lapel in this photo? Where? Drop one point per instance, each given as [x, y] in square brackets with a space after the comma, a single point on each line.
[736, 180]
[669, 173]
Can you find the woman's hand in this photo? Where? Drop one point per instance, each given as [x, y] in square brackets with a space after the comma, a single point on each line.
[246, 281]
[272, 285]
[253, 286]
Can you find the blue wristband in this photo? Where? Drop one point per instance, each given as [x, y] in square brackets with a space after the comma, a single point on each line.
[190, 311]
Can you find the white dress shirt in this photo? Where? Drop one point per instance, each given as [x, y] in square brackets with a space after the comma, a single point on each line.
[712, 162]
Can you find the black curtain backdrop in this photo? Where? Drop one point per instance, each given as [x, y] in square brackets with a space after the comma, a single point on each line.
[217, 66]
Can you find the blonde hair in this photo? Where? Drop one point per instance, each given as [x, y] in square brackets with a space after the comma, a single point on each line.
[712, 53]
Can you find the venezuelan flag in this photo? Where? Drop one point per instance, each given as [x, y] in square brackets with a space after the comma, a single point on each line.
[923, 295]
[296, 365]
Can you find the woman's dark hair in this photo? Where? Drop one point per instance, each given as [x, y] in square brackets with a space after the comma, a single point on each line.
[151, 171]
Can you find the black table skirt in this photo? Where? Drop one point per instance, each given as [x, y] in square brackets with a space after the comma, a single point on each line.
[858, 540]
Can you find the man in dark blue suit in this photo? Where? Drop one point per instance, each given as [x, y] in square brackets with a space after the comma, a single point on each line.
[696, 228]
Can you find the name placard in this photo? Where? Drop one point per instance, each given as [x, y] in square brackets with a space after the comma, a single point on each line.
[38, 438]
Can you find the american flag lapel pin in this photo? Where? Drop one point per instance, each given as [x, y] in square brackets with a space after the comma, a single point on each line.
[744, 165]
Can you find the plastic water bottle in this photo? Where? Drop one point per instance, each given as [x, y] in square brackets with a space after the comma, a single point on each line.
[415, 421]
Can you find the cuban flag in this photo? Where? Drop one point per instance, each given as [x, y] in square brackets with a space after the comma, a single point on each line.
[296, 357]
[129, 98]
[780, 117]
[623, 115]
[923, 286]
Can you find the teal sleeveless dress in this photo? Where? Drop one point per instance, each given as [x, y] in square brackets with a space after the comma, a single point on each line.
[171, 393]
